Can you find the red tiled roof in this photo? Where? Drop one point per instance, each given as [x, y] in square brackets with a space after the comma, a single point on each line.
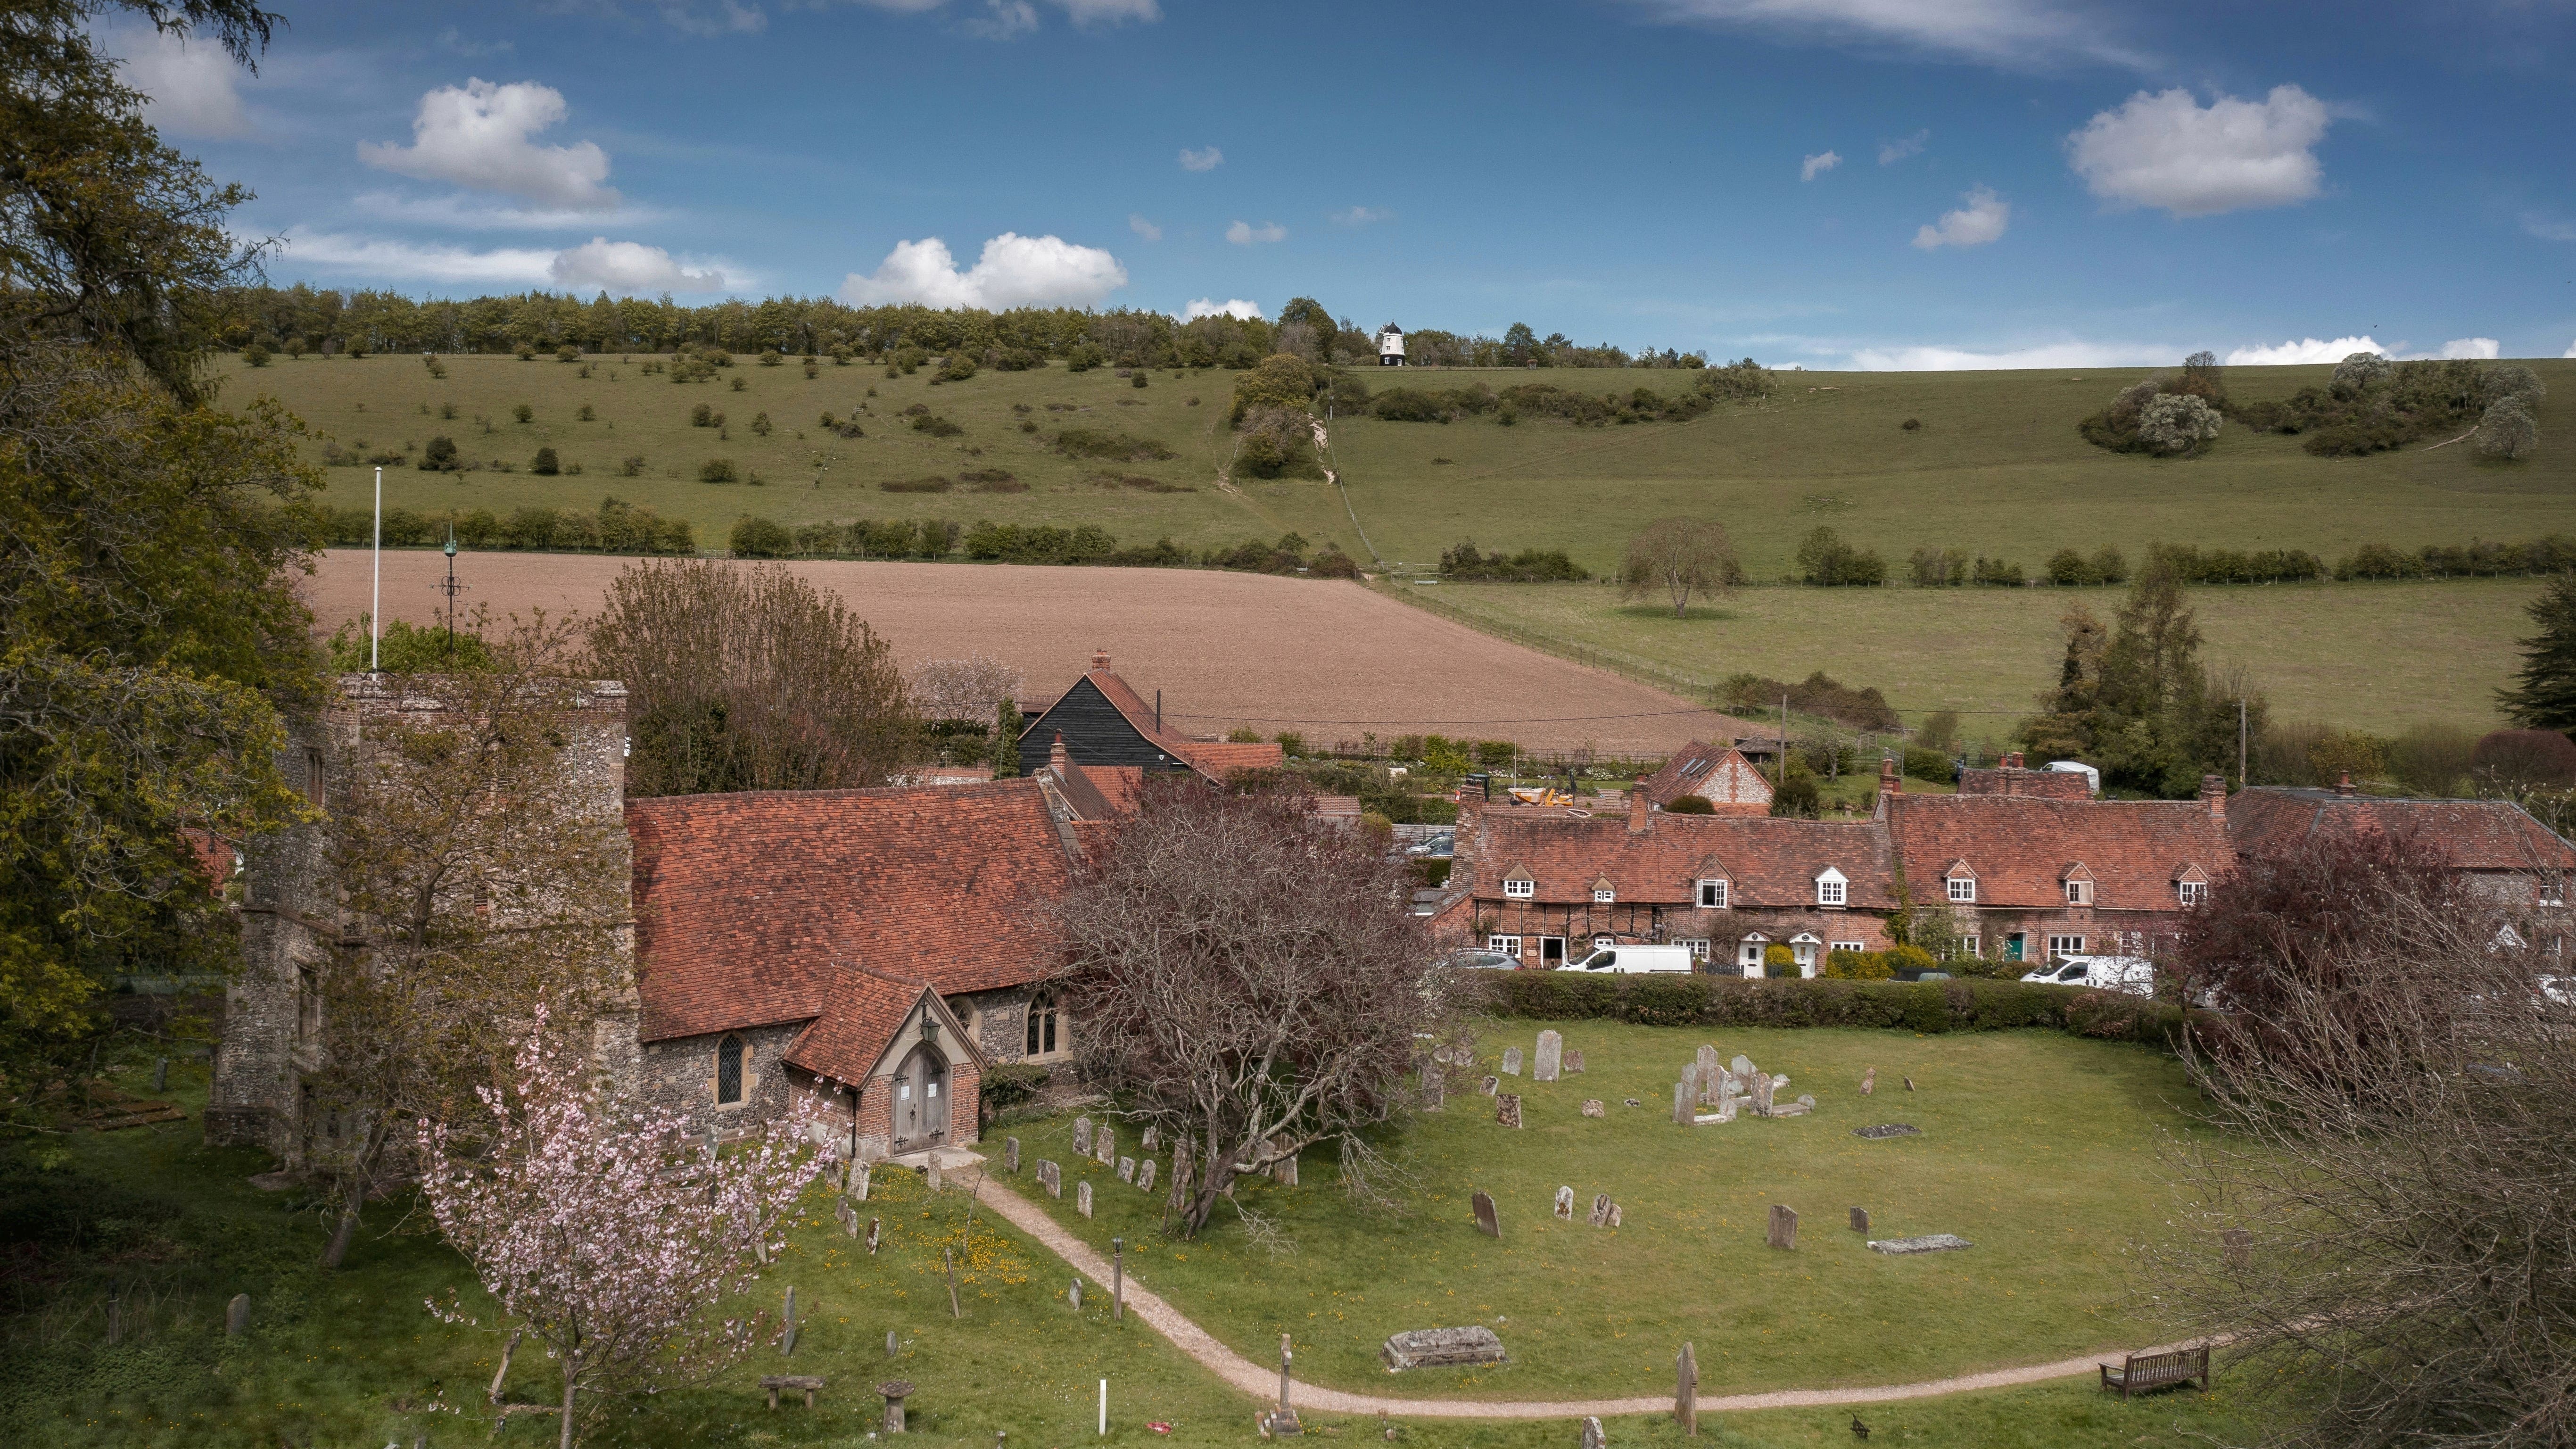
[1100, 793]
[862, 1012]
[1214, 758]
[2269, 823]
[743, 903]
[1689, 772]
[2023, 847]
[1766, 861]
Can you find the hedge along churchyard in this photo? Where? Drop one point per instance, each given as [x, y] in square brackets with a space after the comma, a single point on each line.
[1925, 1007]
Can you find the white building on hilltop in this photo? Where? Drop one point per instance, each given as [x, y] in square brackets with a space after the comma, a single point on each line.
[1390, 346]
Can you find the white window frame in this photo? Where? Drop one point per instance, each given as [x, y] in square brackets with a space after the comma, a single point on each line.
[1855, 947]
[1519, 890]
[1602, 896]
[1604, 941]
[1508, 945]
[1698, 948]
[2553, 890]
[1971, 946]
[1963, 890]
[1713, 894]
[2065, 946]
[2079, 892]
[2191, 893]
[1833, 888]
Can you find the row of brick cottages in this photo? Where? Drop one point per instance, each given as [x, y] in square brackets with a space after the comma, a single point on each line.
[2030, 866]
[878, 949]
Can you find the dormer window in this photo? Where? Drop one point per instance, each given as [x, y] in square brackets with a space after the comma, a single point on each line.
[1603, 893]
[1712, 895]
[1832, 888]
[1963, 890]
[2192, 892]
[2079, 885]
[1519, 889]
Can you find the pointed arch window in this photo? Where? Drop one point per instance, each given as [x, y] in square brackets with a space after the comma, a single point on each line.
[1044, 1024]
[733, 1058]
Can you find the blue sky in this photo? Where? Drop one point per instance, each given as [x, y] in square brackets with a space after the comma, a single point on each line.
[1833, 183]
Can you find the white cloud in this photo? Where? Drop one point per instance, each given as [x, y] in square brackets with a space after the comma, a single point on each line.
[2304, 350]
[1891, 152]
[722, 17]
[1359, 216]
[2549, 228]
[1110, 12]
[193, 88]
[1008, 20]
[2571, 350]
[2042, 355]
[1203, 160]
[2169, 151]
[1821, 161]
[1137, 223]
[1236, 308]
[2475, 349]
[1982, 220]
[465, 213]
[379, 259]
[627, 268]
[456, 40]
[1014, 271]
[2011, 33]
[1244, 233]
[477, 135]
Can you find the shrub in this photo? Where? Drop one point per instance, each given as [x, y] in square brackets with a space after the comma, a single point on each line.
[771, 357]
[2359, 372]
[1909, 958]
[1820, 694]
[1912, 425]
[1797, 796]
[760, 538]
[718, 470]
[1007, 1086]
[585, 414]
[1932, 765]
[257, 356]
[526, 352]
[1530, 566]
[1137, 381]
[1825, 560]
[1996, 573]
[2506, 430]
[702, 416]
[1332, 563]
[935, 425]
[957, 368]
[760, 424]
[932, 484]
[2525, 759]
[2177, 423]
[1260, 457]
[440, 456]
[1691, 805]
[545, 466]
[2066, 566]
[1778, 962]
[1934, 568]
[1858, 966]
[632, 466]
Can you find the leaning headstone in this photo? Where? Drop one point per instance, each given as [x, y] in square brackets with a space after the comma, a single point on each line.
[1127, 1169]
[1592, 1107]
[1490, 1086]
[1050, 1177]
[1761, 1094]
[1600, 1210]
[1742, 1066]
[1507, 1109]
[1486, 1222]
[1551, 1056]
[1708, 1073]
[876, 1234]
[237, 1316]
[1784, 1227]
[1682, 1112]
[787, 1325]
[1934, 1243]
[930, 1171]
[1691, 1082]
[1574, 1061]
[1511, 1061]
[1082, 1197]
[1593, 1438]
[2240, 1248]
[1011, 1154]
[1284, 1171]
[1860, 1221]
[860, 1174]
[1440, 1348]
[1082, 1136]
[1565, 1204]
[1145, 1175]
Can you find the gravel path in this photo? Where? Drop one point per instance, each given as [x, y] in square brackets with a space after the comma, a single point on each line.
[1263, 1382]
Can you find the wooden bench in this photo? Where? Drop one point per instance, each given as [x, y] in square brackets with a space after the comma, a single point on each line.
[2140, 1372]
[808, 1383]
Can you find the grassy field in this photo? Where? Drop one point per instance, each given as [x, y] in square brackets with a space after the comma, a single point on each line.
[2377, 656]
[2039, 1148]
[352, 1358]
[1996, 467]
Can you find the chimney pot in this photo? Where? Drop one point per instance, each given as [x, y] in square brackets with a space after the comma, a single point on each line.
[1057, 759]
[2343, 786]
[2213, 795]
[1638, 806]
[1889, 781]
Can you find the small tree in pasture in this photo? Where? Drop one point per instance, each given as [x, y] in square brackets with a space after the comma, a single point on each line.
[1679, 557]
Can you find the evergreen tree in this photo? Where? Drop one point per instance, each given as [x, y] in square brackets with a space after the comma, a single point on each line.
[1006, 741]
[2138, 702]
[2546, 698]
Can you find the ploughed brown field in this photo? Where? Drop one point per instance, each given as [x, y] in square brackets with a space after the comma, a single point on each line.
[1328, 660]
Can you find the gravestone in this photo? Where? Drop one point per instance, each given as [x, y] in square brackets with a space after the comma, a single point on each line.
[1784, 1228]
[930, 1171]
[1551, 1056]
[860, 1175]
[1011, 1154]
[1600, 1210]
[1073, 1295]
[1727, 1107]
[1432, 1086]
[1592, 1107]
[1050, 1177]
[2240, 1248]
[1691, 1083]
[1742, 1066]
[1686, 1390]
[1869, 1081]
[891, 1348]
[1798, 1108]
[1884, 1130]
[1145, 1175]
[1127, 1169]
[1593, 1438]
[1909, 1084]
[1082, 1136]
[237, 1316]
[1082, 1197]
[1511, 1061]
[1761, 1094]
[1486, 1223]
[1565, 1204]
[1107, 1143]
[1284, 1171]
[876, 1230]
[1615, 1215]
[1682, 1112]
[1707, 1078]
[1934, 1243]
[1182, 1168]
[161, 1074]
[1440, 1348]
[1507, 1109]
[1152, 1136]
[1574, 1061]
[1491, 1085]
[1860, 1221]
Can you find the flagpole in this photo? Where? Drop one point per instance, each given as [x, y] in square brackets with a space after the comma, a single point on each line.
[376, 599]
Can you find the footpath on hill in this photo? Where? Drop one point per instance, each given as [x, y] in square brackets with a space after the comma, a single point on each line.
[1263, 1382]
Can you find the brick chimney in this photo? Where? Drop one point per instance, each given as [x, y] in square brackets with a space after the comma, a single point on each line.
[1638, 808]
[2343, 786]
[2012, 761]
[1057, 759]
[1889, 781]
[2213, 797]
[1099, 658]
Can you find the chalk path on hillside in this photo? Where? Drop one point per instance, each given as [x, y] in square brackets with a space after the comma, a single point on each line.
[1263, 1382]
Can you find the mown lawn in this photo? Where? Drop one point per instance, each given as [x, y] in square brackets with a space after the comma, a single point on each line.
[2040, 1148]
[352, 1359]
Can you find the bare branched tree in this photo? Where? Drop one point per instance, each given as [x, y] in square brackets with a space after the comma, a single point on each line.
[2382, 1224]
[1679, 557]
[970, 689]
[1248, 978]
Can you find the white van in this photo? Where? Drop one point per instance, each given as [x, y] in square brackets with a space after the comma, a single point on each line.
[1636, 959]
[2128, 975]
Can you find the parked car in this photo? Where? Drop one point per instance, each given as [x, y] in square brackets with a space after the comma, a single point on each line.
[1633, 960]
[1481, 961]
[2128, 975]
[1438, 847]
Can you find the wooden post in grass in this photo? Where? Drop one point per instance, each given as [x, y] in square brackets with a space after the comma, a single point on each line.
[1118, 1280]
[949, 1256]
[1686, 1391]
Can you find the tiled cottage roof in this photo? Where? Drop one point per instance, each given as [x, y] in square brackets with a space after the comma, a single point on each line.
[1213, 758]
[863, 1011]
[744, 902]
[1691, 769]
[2022, 849]
[1768, 862]
[2269, 823]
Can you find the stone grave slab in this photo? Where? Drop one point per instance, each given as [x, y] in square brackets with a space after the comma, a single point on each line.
[1441, 1348]
[1050, 1177]
[1126, 1169]
[1860, 1221]
[1932, 1243]
[1082, 1136]
[1082, 1197]
[1600, 1210]
[1574, 1061]
[1881, 1131]
[1511, 1061]
[1011, 1154]
[1565, 1204]
[1784, 1228]
[1592, 1107]
[1491, 1085]
[1145, 1175]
